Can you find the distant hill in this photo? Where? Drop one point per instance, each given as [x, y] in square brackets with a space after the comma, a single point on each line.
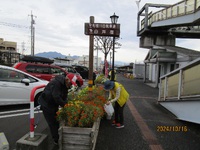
[52, 55]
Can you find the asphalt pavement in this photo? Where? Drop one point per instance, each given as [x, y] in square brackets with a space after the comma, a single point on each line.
[148, 126]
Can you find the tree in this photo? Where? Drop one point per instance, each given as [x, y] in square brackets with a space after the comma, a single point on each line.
[105, 44]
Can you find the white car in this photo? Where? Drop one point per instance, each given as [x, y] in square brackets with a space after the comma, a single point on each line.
[16, 86]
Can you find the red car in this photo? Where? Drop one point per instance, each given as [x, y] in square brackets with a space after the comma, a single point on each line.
[45, 71]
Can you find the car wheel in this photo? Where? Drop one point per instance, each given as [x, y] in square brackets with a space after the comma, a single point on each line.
[36, 99]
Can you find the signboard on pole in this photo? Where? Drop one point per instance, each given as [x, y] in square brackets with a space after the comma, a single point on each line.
[102, 29]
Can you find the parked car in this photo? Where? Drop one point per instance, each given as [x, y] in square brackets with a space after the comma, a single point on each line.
[68, 68]
[16, 86]
[44, 71]
[84, 71]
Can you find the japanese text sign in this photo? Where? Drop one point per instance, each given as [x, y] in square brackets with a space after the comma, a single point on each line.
[102, 29]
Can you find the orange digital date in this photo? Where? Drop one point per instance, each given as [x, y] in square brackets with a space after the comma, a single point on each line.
[172, 129]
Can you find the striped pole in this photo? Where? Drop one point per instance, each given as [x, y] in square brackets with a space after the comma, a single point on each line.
[32, 109]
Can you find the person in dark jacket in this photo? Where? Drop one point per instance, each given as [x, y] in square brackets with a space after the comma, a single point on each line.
[53, 96]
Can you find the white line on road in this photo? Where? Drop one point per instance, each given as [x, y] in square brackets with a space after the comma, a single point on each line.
[13, 111]
[14, 115]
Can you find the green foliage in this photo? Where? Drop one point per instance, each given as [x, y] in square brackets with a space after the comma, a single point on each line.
[83, 108]
[100, 79]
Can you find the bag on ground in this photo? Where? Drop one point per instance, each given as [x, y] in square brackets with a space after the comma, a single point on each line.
[109, 109]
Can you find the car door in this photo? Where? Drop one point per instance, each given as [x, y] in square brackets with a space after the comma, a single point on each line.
[12, 90]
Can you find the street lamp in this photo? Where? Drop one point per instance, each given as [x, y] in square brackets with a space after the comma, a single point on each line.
[138, 4]
[114, 19]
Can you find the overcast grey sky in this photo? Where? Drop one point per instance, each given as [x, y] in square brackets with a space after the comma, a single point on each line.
[60, 25]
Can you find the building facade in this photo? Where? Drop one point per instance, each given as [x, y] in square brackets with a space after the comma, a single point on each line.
[164, 59]
[8, 53]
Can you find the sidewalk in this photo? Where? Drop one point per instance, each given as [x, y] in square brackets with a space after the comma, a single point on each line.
[144, 118]
[128, 138]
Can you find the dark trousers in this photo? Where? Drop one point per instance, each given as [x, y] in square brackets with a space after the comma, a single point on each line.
[119, 115]
[50, 117]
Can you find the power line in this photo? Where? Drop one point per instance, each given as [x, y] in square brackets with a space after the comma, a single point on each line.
[13, 25]
[32, 34]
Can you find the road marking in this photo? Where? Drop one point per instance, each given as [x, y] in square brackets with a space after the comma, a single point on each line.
[13, 111]
[148, 135]
[14, 115]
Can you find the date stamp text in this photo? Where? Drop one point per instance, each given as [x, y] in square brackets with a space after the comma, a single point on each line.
[172, 129]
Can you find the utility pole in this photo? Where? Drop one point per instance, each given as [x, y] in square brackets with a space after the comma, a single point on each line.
[110, 61]
[84, 60]
[32, 33]
[23, 48]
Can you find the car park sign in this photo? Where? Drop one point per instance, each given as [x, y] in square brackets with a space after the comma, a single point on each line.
[102, 29]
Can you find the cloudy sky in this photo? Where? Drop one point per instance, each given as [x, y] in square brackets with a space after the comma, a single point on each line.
[60, 25]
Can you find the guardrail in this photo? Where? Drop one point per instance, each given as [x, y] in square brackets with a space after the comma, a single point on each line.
[179, 9]
[32, 120]
[182, 83]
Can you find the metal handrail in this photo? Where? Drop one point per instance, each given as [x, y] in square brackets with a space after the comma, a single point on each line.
[179, 9]
[182, 83]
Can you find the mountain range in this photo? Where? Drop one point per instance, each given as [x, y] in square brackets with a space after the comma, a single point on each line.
[54, 54]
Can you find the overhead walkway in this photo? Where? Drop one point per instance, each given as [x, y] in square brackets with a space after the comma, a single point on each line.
[178, 90]
[181, 19]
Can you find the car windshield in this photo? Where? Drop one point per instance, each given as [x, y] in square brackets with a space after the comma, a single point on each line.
[13, 76]
[69, 69]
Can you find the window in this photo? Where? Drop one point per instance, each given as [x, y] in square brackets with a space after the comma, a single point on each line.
[14, 76]
[177, 66]
[38, 69]
[171, 67]
[69, 69]
[3, 74]
[57, 71]
[30, 68]
[42, 69]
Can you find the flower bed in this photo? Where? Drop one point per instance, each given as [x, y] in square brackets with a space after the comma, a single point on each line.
[78, 137]
[83, 108]
[80, 119]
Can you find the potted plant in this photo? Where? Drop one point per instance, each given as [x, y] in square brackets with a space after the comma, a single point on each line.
[80, 119]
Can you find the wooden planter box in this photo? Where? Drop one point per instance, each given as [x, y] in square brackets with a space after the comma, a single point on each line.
[76, 138]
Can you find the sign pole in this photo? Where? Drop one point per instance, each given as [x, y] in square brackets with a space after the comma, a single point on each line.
[113, 62]
[91, 50]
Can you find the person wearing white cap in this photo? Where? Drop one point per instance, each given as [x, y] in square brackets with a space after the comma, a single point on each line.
[117, 95]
